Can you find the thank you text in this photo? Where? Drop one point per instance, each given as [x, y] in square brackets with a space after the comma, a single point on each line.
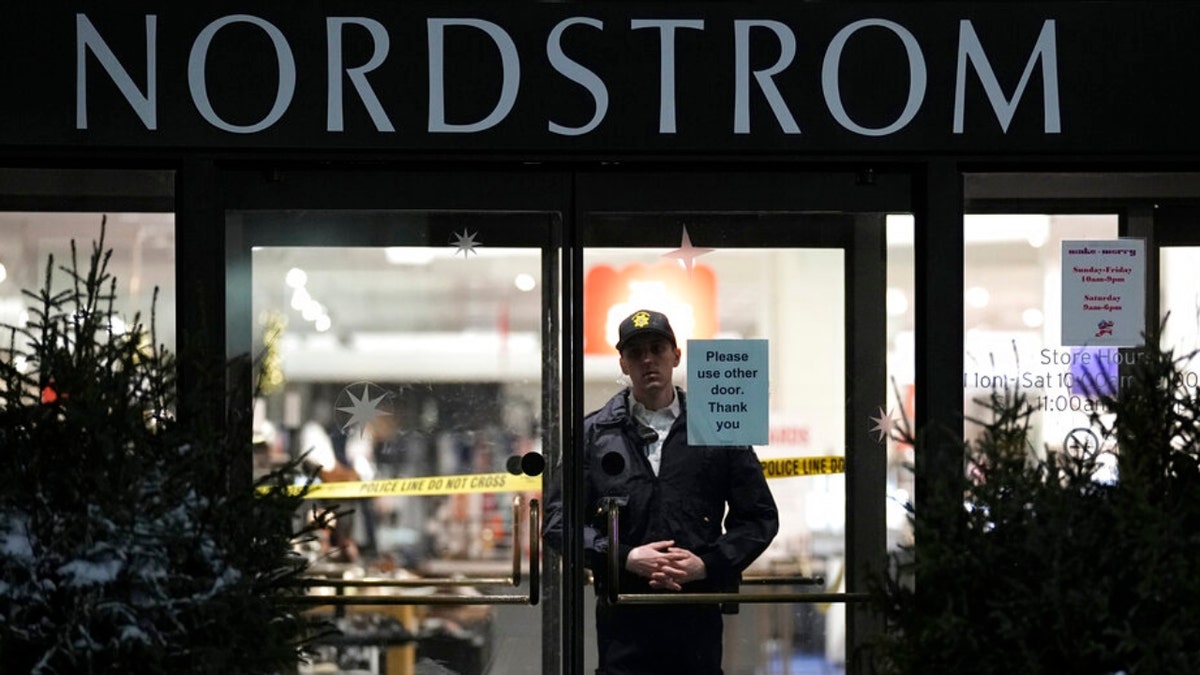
[727, 392]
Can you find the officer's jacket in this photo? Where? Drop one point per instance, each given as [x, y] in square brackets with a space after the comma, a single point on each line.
[686, 502]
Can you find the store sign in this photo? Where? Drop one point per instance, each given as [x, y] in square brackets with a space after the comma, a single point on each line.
[349, 81]
[1038, 77]
[727, 385]
[1104, 292]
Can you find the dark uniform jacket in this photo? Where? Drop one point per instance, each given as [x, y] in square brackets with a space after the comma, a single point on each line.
[686, 502]
[710, 500]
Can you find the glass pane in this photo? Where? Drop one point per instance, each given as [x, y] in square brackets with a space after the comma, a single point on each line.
[1180, 301]
[901, 360]
[1012, 284]
[415, 369]
[143, 261]
[793, 298]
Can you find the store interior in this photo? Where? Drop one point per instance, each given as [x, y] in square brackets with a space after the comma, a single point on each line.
[450, 339]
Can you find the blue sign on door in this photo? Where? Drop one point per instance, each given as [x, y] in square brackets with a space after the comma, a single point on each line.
[727, 392]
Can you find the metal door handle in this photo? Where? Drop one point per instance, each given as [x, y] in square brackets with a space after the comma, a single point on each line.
[339, 599]
[615, 596]
[737, 598]
[771, 580]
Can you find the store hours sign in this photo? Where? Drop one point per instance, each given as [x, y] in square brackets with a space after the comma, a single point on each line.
[727, 392]
[1104, 292]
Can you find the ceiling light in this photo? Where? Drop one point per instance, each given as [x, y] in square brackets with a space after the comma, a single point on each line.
[1033, 317]
[300, 299]
[524, 282]
[3, 273]
[296, 278]
[323, 323]
[312, 311]
[977, 297]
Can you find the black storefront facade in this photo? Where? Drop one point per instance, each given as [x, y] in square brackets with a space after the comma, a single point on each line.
[757, 125]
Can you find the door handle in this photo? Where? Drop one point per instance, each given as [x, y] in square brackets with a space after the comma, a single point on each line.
[615, 596]
[771, 580]
[739, 598]
[340, 585]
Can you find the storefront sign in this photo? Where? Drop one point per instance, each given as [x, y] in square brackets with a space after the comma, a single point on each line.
[1038, 77]
[727, 392]
[1104, 292]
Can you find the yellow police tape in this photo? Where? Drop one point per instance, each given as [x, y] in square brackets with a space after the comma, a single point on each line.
[429, 485]
[784, 467]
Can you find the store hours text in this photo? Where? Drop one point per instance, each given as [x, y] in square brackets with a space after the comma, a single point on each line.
[1049, 391]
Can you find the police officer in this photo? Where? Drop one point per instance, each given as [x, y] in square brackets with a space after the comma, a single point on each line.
[692, 518]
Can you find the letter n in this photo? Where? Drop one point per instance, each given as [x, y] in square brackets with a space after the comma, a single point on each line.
[87, 38]
[970, 49]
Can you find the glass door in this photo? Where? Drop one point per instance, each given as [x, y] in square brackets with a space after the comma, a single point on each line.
[408, 355]
[787, 273]
[430, 343]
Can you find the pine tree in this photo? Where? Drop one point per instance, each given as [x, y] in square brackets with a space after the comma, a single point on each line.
[1044, 563]
[128, 544]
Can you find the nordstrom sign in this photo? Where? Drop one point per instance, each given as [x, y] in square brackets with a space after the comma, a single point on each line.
[346, 78]
[760, 78]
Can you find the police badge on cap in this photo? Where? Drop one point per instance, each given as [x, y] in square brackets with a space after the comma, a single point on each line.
[644, 322]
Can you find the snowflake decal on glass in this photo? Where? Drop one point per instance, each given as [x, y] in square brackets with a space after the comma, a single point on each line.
[884, 424]
[465, 243]
[360, 404]
[686, 253]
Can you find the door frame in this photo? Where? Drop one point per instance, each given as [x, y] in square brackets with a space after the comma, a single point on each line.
[406, 189]
[836, 190]
[770, 189]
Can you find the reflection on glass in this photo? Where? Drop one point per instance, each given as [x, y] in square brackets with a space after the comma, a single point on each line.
[1180, 302]
[901, 357]
[1180, 307]
[413, 369]
[143, 260]
[1013, 340]
[391, 368]
[795, 300]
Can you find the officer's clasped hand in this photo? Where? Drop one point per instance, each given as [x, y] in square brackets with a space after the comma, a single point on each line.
[666, 566]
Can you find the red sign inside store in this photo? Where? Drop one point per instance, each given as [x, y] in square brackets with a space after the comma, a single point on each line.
[688, 298]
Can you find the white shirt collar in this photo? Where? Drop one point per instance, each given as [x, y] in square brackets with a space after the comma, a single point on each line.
[660, 421]
[644, 414]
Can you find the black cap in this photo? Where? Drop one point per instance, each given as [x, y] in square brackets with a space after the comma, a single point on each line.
[644, 322]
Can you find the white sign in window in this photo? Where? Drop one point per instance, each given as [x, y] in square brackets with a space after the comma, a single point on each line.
[1104, 292]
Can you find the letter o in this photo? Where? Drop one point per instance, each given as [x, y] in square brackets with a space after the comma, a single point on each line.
[916, 80]
[199, 87]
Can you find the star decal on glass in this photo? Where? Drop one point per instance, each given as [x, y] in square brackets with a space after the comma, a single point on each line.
[884, 424]
[361, 410]
[465, 243]
[686, 253]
